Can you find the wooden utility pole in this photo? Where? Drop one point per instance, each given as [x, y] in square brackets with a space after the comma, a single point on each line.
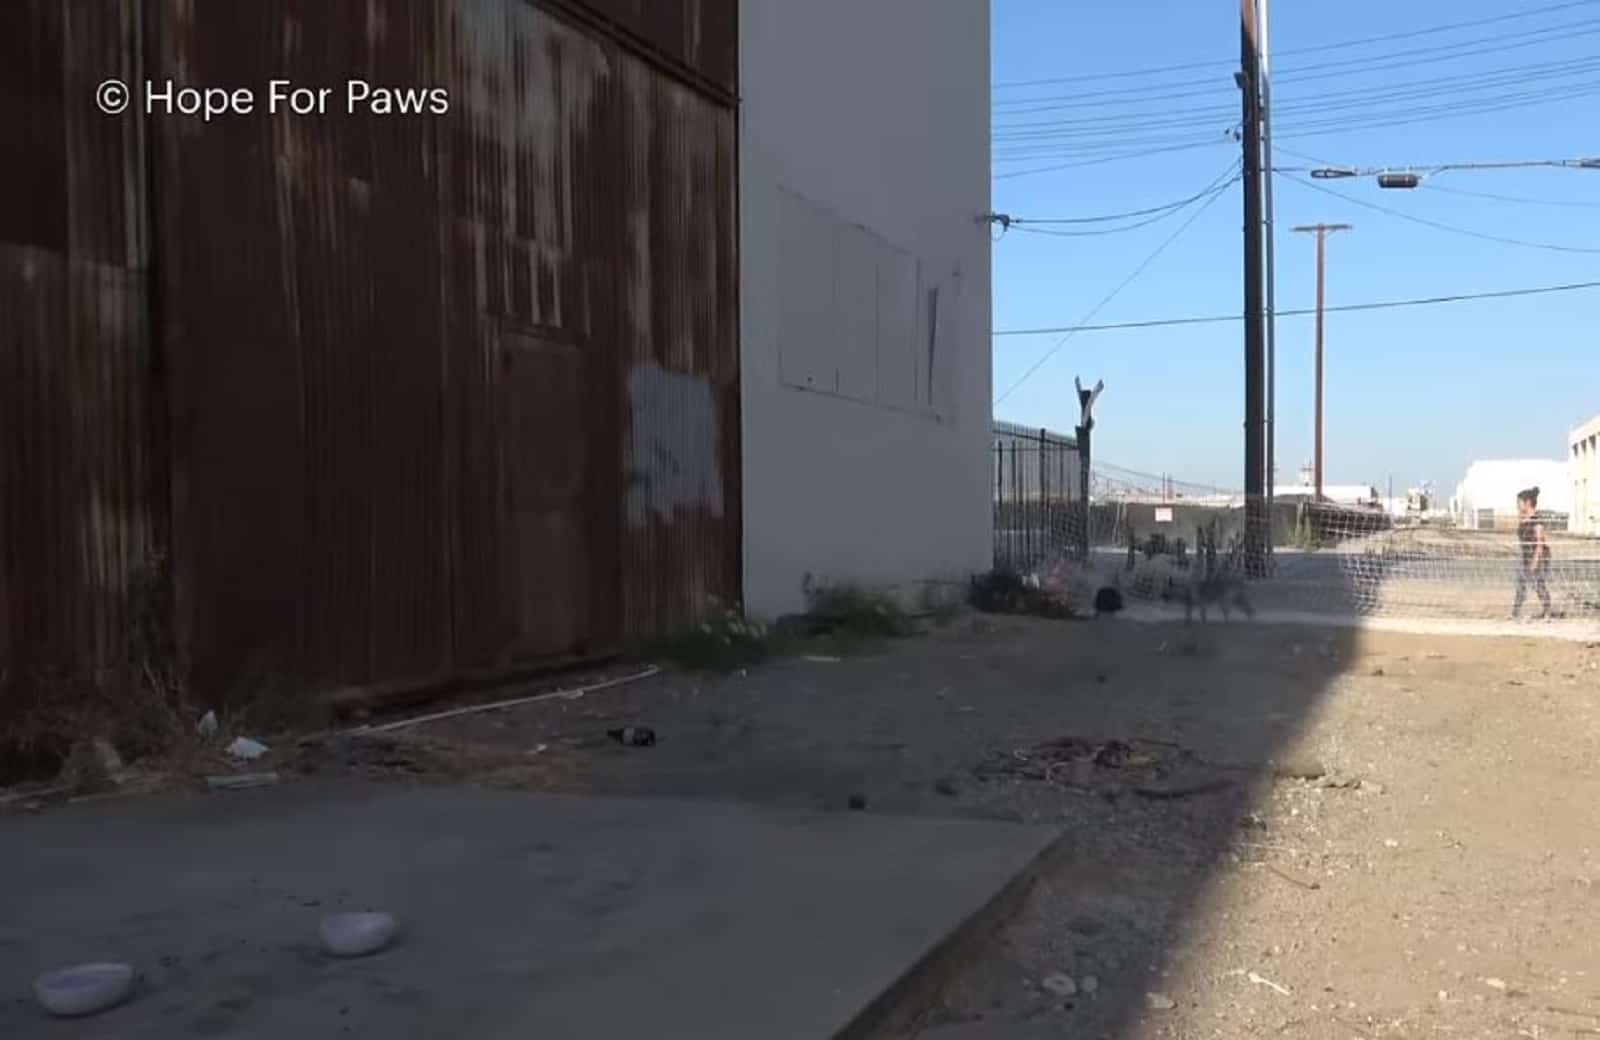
[1086, 400]
[1255, 462]
[1321, 231]
[1271, 226]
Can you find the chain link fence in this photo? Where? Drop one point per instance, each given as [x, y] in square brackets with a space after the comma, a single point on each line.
[1140, 531]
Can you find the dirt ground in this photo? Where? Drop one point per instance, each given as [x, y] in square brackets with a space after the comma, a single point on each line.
[1277, 831]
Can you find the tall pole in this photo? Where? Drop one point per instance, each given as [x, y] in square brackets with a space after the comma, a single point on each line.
[1085, 430]
[1317, 464]
[1272, 303]
[1321, 231]
[1254, 341]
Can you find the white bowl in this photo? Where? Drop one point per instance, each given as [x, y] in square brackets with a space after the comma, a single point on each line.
[356, 934]
[84, 988]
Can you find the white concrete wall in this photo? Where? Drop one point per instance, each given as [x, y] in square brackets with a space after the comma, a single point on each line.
[864, 165]
[1584, 448]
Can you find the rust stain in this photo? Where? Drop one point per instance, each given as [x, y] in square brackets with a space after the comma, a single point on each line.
[397, 417]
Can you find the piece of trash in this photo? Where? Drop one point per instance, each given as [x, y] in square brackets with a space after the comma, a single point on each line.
[858, 802]
[1391, 843]
[1061, 985]
[541, 749]
[246, 750]
[356, 934]
[207, 727]
[110, 761]
[84, 989]
[821, 659]
[1262, 981]
[1160, 1001]
[240, 781]
[633, 736]
[1495, 983]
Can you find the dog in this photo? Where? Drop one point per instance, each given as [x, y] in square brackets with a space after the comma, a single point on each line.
[1107, 600]
[1224, 591]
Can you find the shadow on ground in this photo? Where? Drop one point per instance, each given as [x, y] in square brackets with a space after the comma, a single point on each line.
[1145, 744]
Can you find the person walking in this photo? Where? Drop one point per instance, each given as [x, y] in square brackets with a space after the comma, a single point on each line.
[1535, 554]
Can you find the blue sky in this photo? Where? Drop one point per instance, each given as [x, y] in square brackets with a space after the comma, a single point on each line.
[1411, 394]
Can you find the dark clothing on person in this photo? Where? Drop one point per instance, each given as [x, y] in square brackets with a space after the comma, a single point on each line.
[1532, 574]
[1528, 535]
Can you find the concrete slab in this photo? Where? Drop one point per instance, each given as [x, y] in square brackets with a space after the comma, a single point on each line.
[522, 915]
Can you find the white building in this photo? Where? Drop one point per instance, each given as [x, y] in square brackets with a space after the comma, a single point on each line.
[1486, 498]
[865, 282]
[1584, 445]
[1339, 494]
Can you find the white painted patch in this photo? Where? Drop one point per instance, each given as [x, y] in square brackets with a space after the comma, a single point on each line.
[672, 447]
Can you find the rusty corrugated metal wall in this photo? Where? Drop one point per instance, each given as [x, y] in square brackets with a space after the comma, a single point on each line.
[74, 401]
[440, 394]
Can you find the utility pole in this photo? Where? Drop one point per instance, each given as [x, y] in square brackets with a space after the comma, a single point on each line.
[1321, 231]
[1272, 267]
[1255, 463]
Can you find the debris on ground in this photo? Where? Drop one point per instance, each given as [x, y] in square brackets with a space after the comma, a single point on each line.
[1160, 1001]
[246, 750]
[858, 802]
[633, 736]
[241, 781]
[1082, 764]
[1061, 984]
[84, 989]
[208, 725]
[357, 934]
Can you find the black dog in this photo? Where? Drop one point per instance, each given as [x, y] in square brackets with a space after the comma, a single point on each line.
[1108, 600]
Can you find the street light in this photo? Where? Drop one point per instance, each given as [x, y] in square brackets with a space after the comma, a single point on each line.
[1399, 180]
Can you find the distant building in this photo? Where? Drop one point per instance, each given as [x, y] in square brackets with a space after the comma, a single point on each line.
[1585, 462]
[1363, 495]
[1486, 498]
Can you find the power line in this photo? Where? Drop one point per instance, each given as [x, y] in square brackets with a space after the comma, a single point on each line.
[1380, 305]
[1113, 294]
[1517, 199]
[1344, 44]
[1146, 222]
[1115, 157]
[1107, 152]
[1425, 222]
[1213, 184]
[1196, 197]
[1431, 87]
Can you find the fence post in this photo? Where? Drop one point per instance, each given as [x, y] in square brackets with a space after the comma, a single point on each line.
[1086, 400]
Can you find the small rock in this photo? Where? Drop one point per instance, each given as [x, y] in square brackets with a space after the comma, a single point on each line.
[1495, 983]
[1089, 984]
[858, 802]
[356, 934]
[85, 989]
[1372, 787]
[1061, 985]
[1160, 1001]
[1377, 671]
